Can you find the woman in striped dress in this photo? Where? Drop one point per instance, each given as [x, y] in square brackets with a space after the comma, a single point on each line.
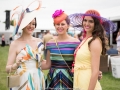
[60, 51]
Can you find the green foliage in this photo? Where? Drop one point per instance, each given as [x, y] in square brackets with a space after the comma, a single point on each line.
[3, 60]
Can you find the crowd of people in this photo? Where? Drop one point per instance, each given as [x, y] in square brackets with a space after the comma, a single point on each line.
[72, 62]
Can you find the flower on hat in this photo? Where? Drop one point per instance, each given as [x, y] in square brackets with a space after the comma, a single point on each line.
[57, 13]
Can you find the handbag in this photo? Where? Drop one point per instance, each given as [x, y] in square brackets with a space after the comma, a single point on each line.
[13, 80]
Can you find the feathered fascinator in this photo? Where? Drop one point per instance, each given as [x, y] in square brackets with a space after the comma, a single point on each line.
[59, 16]
[25, 16]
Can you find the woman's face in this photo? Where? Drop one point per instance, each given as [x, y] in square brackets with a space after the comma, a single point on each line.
[62, 27]
[30, 27]
[106, 41]
[88, 23]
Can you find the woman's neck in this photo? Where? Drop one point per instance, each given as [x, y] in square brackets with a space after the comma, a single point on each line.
[63, 37]
[26, 37]
[88, 34]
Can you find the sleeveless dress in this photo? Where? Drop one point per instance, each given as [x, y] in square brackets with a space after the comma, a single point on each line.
[82, 69]
[60, 76]
[31, 76]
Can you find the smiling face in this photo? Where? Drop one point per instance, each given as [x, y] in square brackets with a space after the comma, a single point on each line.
[61, 27]
[30, 27]
[88, 24]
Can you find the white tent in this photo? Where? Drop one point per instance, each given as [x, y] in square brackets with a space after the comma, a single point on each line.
[111, 13]
[2, 28]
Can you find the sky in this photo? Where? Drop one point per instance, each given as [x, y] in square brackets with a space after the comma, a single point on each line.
[44, 18]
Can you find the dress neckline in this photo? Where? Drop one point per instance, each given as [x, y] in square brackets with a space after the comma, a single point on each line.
[30, 47]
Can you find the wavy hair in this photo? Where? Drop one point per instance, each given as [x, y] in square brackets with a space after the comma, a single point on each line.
[98, 32]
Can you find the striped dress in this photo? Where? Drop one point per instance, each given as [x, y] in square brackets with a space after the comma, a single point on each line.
[60, 76]
[31, 76]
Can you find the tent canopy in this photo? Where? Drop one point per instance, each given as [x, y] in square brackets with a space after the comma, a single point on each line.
[111, 13]
[2, 28]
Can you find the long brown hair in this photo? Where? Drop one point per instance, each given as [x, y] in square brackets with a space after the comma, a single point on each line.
[98, 32]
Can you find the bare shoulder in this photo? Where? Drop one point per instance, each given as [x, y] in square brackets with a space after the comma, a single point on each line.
[14, 43]
[74, 39]
[38, 39]
[97, 43]
[51, 41]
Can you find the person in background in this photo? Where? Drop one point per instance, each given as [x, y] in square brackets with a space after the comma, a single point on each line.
[107, 46]
[87, 55]
[70, 33]
[80, 36]
[46, 38]
[10, 38]
[112, 50]
[118, 40]
[25, 53]
[3, 40]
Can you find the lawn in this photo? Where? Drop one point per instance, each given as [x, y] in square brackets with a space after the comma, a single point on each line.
[108, 82]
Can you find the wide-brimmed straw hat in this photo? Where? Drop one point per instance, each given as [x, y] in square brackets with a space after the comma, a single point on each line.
[77, 18]
[25, 16]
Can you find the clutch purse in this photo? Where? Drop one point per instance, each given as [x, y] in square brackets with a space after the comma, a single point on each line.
[13, 80]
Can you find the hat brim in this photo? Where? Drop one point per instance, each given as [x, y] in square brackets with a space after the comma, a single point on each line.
[27, 19]
[26, 16]
[77, 18]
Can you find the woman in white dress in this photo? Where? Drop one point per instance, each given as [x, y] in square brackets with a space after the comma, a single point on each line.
[25, 53]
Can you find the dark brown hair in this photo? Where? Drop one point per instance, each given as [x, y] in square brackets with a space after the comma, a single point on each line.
[98, 32]
[35, 23]
[67, 20]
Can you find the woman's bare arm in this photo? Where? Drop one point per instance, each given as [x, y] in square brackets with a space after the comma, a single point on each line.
[11, 56]
[95, 49]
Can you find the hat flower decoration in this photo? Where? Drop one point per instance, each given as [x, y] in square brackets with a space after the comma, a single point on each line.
[59, 16]
[57, 13]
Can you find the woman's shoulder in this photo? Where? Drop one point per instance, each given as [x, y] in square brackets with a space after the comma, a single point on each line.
[96, 41]
[51, 41]
[38, 40]
[72, 39]
[14, 43]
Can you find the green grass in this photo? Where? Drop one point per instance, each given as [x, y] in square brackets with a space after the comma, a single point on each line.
[3, 60]
[108, 82]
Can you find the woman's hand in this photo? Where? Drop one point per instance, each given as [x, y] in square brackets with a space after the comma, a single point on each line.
[18, 60]
[100, 75]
